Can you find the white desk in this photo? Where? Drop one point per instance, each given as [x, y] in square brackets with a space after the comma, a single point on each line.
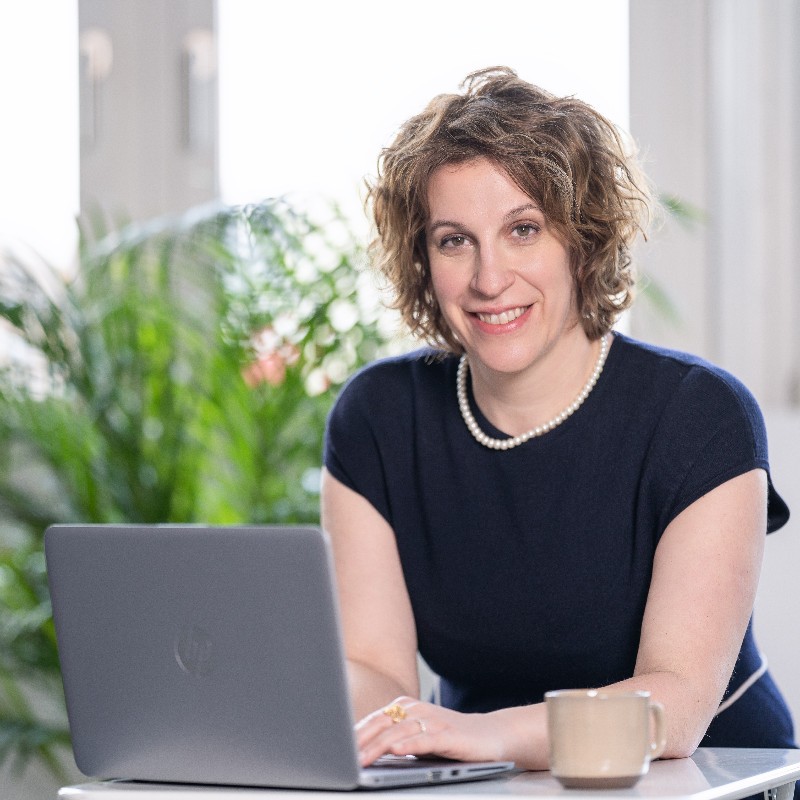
[710, 774]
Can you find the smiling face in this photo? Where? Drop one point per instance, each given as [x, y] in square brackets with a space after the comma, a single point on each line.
[500, 274]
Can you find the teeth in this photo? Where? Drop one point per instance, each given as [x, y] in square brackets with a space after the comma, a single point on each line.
[504, 318]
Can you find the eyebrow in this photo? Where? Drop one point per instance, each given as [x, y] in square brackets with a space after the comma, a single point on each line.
[443, 223]
[512, 214]
[515, 212]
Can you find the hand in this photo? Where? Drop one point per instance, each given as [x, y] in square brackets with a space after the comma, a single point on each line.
[412, 727]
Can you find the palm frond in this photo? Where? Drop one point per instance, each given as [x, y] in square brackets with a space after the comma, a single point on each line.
[168, 380]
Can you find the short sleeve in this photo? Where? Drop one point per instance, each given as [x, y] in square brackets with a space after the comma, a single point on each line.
[711, 431]
[356, 434]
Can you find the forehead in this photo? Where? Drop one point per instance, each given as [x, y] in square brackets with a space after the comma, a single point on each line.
[477, 186]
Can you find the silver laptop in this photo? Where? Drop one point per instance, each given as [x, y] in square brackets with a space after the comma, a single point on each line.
[196, 654]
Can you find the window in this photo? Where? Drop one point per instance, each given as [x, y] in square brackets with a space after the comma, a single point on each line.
[39, 134]
[310, 92]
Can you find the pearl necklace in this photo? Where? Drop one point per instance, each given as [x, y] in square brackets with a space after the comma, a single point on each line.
[513, 441]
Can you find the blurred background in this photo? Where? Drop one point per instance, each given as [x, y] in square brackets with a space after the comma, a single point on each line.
[213, 153]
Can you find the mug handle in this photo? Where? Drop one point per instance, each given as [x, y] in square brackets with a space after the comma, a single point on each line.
[659, 743]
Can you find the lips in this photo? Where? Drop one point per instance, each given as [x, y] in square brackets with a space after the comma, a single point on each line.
[504, 317]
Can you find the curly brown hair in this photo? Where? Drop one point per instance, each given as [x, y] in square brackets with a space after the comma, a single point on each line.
[564, 155]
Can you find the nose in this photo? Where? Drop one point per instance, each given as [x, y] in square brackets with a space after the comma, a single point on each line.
[491, 275]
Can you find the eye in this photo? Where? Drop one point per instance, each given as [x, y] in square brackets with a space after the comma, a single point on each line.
[453, 241]
[525, 230]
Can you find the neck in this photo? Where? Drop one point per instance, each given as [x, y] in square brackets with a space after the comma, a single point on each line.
[516, 402]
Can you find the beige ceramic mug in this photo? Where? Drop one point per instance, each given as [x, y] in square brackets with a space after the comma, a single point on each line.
[603, 739]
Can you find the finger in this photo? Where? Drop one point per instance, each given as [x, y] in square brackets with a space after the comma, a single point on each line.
[393, 728]
[409, 737]
[395, 710]
[382, 718]
[379, 720]
[421, 723]
[369, 729]
[370, 732]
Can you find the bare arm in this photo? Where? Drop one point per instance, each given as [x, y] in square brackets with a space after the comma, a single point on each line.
[379, 633]
[701, 596]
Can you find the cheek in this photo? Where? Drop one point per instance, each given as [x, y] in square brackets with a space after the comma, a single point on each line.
[441, 282]
[446, 295]
[571, 301]
[564, 283]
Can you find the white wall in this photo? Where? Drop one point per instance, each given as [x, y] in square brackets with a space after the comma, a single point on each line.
[715, 107]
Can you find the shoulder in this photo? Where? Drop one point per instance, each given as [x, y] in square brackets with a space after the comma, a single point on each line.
[685, 384]
[382, 409]
[396, 379]
[390, 395]
[704, 427]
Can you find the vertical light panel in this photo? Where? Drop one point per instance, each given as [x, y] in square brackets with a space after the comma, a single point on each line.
[39, 130]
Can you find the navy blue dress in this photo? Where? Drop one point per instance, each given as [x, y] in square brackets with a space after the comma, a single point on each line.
[528, 569]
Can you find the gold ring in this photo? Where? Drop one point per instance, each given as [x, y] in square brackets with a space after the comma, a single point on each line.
[423, 728]
[395, 712]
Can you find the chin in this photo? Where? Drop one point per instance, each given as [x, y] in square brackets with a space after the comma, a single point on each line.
[508, 363]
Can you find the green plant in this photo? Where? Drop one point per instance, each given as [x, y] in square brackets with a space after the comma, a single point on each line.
[183, 374]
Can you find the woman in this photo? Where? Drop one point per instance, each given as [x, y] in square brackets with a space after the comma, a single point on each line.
[537, 502]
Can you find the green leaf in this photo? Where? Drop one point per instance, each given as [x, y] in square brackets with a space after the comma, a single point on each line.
[166, 381]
